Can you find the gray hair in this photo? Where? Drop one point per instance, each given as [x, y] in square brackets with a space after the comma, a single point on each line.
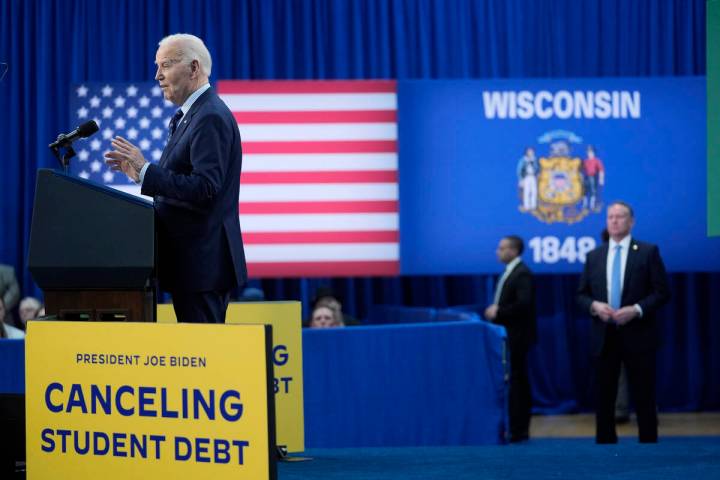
[31, 302]
[190, 48]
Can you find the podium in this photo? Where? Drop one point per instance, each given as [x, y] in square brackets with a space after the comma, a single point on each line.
[92, 250]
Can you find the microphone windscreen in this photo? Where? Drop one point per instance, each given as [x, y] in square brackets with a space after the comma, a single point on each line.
[88, 128]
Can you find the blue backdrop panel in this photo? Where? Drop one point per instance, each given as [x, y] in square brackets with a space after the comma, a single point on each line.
[461, 168]
[12, 359]
[415, 384]
[51, 45]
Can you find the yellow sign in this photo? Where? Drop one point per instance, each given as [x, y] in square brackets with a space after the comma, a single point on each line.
[144, 400]
[287, 358]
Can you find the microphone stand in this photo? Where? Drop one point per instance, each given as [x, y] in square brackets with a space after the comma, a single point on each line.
[65, 157]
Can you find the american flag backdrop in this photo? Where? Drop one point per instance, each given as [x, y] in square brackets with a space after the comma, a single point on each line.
[319, 189]
[136, 111]
[319, 185]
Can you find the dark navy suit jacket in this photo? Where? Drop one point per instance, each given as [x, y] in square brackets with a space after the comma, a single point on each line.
[645, 283]
[196, 189]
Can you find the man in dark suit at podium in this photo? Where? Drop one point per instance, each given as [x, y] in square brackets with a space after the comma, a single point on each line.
[622, 286]
[514, 308]
[195, 186]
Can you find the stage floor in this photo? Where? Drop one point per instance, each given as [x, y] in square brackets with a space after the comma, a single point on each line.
[583, 425]
[540, 458]
[561, 447]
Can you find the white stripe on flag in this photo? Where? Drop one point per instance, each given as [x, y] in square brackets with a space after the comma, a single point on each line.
[308, 132]
[319, 162]
[290, 102]
[319, 222]
[317, 192]
[322, 252]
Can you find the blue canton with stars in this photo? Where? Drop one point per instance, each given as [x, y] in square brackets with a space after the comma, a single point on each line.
[135, 111]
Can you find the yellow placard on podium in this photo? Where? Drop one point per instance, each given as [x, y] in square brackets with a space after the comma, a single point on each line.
[144, 400]
[285, 318]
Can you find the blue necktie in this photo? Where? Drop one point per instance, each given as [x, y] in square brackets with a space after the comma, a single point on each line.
[615, 289]
[174, 121]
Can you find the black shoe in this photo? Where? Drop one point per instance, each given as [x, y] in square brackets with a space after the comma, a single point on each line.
[606, 441]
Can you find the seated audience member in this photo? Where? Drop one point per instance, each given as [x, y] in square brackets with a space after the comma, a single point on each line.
[29, 309]
[8, 331]
[9, 288]
[325, 317]
[326, 297]
[252, 294]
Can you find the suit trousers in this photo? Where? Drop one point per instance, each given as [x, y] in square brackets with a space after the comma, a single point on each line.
[520, 401]
[201, 307]
[640, 367]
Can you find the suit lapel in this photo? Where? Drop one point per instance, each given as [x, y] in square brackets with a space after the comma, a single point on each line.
[629, 264]
[184, 123]
[508, 280]
[602, 270]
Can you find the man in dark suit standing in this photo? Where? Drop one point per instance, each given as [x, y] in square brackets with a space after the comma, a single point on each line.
[622, 286]
[195, 186]
[514, 308]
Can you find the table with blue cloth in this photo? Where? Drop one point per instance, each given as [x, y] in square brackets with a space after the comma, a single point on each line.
[437, 383]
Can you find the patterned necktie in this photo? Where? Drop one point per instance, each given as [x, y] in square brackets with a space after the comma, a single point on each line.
[615, 288]
[174, 121]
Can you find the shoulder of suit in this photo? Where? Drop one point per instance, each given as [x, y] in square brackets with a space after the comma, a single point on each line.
[210, 103]
[599, 250]
[640, 245]
[521, 268]
[523, 265]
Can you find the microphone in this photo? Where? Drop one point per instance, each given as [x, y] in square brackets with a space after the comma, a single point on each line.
[83, 131]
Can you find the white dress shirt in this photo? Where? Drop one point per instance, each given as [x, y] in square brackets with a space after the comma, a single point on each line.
[508, 270]
[624, 249]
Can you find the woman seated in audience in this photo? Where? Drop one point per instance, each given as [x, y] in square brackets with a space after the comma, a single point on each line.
[325, 317]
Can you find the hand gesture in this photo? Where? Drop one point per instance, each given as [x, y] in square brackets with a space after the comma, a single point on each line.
[624, 315]
[602, 310]
[126, 158]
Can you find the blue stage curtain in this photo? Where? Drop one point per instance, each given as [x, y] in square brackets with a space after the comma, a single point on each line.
[51, 44]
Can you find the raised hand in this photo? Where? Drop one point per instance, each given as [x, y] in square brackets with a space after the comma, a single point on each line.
[126, 158]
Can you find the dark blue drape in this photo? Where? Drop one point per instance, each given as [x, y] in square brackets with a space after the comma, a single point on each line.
[51, 44]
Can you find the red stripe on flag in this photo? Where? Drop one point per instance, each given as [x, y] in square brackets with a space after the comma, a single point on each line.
[380, 236]
[307, 86]
[362, 176]
[323, 269]
[360, 146]
[345, 116]
[377, 206]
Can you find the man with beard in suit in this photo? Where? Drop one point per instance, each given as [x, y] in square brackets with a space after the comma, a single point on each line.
[514, 308]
